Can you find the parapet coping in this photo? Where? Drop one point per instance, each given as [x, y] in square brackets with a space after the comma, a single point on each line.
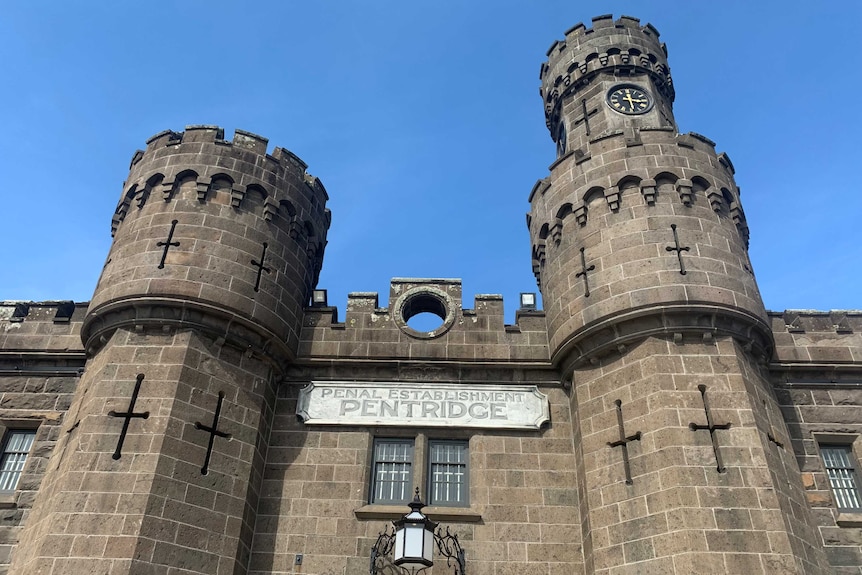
[45, 303]
[426, 280]
[20, 310]
[168, 132]
[242, 133]
[488, 296]
[814, 311]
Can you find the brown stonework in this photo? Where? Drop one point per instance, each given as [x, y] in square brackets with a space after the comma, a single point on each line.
[686, 424]
[149, 505]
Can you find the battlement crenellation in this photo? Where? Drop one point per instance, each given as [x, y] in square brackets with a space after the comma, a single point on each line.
[277, 161]
[279, 182]
[604, 25]
[477, 333]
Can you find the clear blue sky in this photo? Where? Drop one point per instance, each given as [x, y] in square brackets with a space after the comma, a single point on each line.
[423, 121]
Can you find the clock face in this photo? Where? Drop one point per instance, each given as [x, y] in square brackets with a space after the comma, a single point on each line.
[629, 99]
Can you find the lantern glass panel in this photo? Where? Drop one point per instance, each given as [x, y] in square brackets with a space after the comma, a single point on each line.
[413, 545]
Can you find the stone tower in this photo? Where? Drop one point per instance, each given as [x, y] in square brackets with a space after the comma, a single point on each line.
[651, 420]
[639, 246]
[217, 246]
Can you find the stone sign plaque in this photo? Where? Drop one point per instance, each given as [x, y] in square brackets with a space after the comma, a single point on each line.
[423, 405]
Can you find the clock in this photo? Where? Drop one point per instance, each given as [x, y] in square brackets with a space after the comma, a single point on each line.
[629, 99]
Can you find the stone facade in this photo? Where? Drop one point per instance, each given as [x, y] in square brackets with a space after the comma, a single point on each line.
[686, 425]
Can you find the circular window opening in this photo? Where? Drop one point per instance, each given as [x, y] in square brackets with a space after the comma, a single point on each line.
[424, 312]
[425, 321]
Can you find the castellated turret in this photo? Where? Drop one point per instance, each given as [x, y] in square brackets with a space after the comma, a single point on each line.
[640, 248]
[217, 235]
[217, 246]
[638, 229]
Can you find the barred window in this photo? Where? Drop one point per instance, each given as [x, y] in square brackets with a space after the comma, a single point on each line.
[843, 477]
[16, 446]
[447, 473]
[393, 471]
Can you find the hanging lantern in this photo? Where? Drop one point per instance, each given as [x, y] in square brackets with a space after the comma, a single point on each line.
[414, 537]
[412, 544]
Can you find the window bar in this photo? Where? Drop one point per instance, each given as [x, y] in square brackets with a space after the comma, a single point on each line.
[18, 445]
[842, 477]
